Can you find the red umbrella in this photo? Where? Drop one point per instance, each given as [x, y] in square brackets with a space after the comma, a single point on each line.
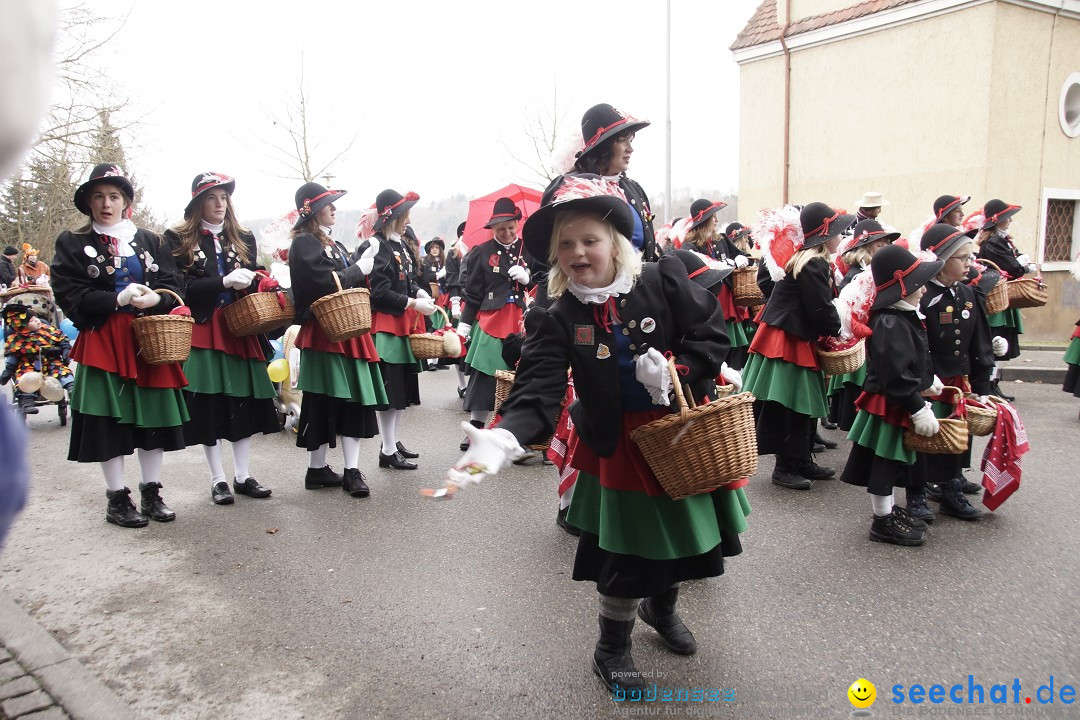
[480, 209]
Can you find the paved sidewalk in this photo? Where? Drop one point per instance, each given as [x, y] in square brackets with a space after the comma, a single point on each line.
[40, 680]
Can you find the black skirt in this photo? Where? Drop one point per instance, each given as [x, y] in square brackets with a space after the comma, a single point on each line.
[97, 439]
[842, 410]
[1072, 380]
[221, 417]
[480, 392]
[782, 431]
[323, 418]
[880, 475]
[402, 385]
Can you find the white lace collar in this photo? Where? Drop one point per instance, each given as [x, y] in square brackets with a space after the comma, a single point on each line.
[123, 230]
[599, 296]
[216, 229]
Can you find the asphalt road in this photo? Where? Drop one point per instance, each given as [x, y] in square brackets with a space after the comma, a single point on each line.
[312, 604]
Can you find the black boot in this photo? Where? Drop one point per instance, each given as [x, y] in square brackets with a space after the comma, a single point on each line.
[812, 471]
[891, 529]
[910, 520]
[465, 443]
[967, 487]
[27, 404]
[787, 474]
[152, 505]
[406, 453]
[954, 503]
[611, 660]
[321, 478]
[917, 507]
[561, 521]
[659, 613]
[995, 389]
[353, 483]
[933, 491]
[829, 444]
[121, 511]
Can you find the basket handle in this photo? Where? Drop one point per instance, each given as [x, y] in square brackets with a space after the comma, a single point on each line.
[333, 274]
[179, 300]
[959, 403]
[683, 397]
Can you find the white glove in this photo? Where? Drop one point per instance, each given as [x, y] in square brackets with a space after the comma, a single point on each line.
[935, 387]
[651, 370]
[732, 375]
[741, 261]
[520, 274]
[131, 291]
[455, 306]
[464, 329]
[366, 262]
[1023, 259]
[489, 452]
[147, 300]
[984, 399]
[925, 423]
[440, 274]
[424, 305]
[421, 294]
[238, 279]
[1031, 268]
[1000, 345]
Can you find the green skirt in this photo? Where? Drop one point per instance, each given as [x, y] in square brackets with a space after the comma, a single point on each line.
[485, 352]
[338, 376]
[887, 441]
[799, 389]
[1009, 317]
[106, 394]
[837, 382]
[1072, 355]
[737, 334]
[396, 350]
[213, 372]
[656, 527]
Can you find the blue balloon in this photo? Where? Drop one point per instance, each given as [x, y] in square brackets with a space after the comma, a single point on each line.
[68, 328]
[279, 349]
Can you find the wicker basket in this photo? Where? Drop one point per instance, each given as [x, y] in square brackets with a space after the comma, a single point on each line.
[257, 313]
[951, 439]
[997, 300]
[428, 346]
[344, 314]
[504, 380]
[702, 446]
[981, 419]
[1027, 292]
[164, 338]
[746, 290]
[435, 292]
[841, 362]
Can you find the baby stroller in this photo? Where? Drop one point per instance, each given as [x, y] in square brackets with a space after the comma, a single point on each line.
[38, 365]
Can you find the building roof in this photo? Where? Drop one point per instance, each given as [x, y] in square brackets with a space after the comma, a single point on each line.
[763, 26]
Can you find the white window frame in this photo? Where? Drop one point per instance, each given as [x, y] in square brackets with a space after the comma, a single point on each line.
[1049, 194]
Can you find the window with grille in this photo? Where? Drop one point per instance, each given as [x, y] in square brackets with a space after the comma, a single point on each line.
[1060, 230]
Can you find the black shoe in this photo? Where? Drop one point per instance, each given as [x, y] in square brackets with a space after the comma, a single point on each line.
[891, 529]
[5, 377]
[828, 424]
[220, 493]
[812, 471]
[561, 521]
[461, 392]
[818, 448]
[829, 444]
[121, 511]
[968, 487]
[786, 475]
[406, 453]
[917, 507]
[933, 491]
[995, 389]
[251, 488]
[908, 519]
[27, 405]
[353, 483]
[465, 443]
[152, 505]
[611, 660]
[659, 613]
[323, 477]
[527, 457]
[955, 504]
[395, 462]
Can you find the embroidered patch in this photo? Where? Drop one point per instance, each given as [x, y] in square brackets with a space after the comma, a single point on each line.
[945, 318]
[602, 352]
[584, 334]
[648, 325]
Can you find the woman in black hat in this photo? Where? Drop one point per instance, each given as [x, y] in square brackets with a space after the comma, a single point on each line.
[899, 374]
[961, 352]
[867, 237]
[500, 273]
[397, 305]
[783, 371]
[608, 135]
[611, 322]
[104, 275]
[996, 245]
[229, 395]
[341, 381]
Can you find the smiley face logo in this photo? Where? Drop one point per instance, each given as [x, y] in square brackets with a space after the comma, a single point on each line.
[862, 693]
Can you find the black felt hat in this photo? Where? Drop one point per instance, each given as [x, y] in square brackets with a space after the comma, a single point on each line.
[736, 231]
[997, 210]
[947, 203]
[943, 240]
[504, 211]
[868, 231]
[701, 210]
[204, 182]
[576, 191]
[434, 241]
[390, 205]
[110, 173]
[820, 223]
[698, 270]
[601, 122]
[898, 273]
[313, 197]
[461, 230]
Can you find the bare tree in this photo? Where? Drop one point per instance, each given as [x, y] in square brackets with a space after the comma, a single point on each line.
[549, 154]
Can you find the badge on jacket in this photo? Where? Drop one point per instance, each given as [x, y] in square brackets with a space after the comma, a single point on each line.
[584, 334]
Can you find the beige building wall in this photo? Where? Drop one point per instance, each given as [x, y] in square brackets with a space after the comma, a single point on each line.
[761, 136]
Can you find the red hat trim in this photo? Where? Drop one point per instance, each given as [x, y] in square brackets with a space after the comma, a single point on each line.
[898, 277]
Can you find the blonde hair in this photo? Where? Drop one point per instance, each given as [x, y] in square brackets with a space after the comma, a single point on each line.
[625, 257]
[190, 231]
[701, 234]
[310, 226]
[859, 256]
[799, 260]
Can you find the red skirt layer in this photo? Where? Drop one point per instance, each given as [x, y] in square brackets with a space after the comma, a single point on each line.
[404, 325]
[312, 337]
[502, 322]
[774, 343]
[877, 404]
[214, 334]
[112, 348]
[727, 302]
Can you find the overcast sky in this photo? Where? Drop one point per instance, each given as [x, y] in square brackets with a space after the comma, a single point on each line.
[437, 91]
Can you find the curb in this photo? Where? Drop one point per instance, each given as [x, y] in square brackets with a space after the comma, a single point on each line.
[1049, 376]
[70, 685]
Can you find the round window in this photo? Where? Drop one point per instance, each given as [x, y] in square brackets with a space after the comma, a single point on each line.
[1069, 107]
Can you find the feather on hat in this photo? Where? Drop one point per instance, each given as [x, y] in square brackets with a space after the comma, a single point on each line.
[779, 234]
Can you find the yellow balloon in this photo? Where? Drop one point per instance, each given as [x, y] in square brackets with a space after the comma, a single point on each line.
[278, 370]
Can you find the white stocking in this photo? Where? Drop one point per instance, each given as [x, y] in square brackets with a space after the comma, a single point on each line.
[462, 380]
[213, 459]
[114, 473]
[479, 416]
[883, 504]
[351, 448]
[150, 463]
[388, 429]
[317, 458]
[241, 453]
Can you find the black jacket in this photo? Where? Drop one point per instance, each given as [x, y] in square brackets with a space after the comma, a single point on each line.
[487, 282]
[849, 276]
[958, 345]
[765, 281]
[635, 195]
[898, 359]
[7, 271]
[803, 306]
[82, 276]
[679, 316]
[999, 249]
[393, 278]
[313, 266]
[455, 277]
[203, 285]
